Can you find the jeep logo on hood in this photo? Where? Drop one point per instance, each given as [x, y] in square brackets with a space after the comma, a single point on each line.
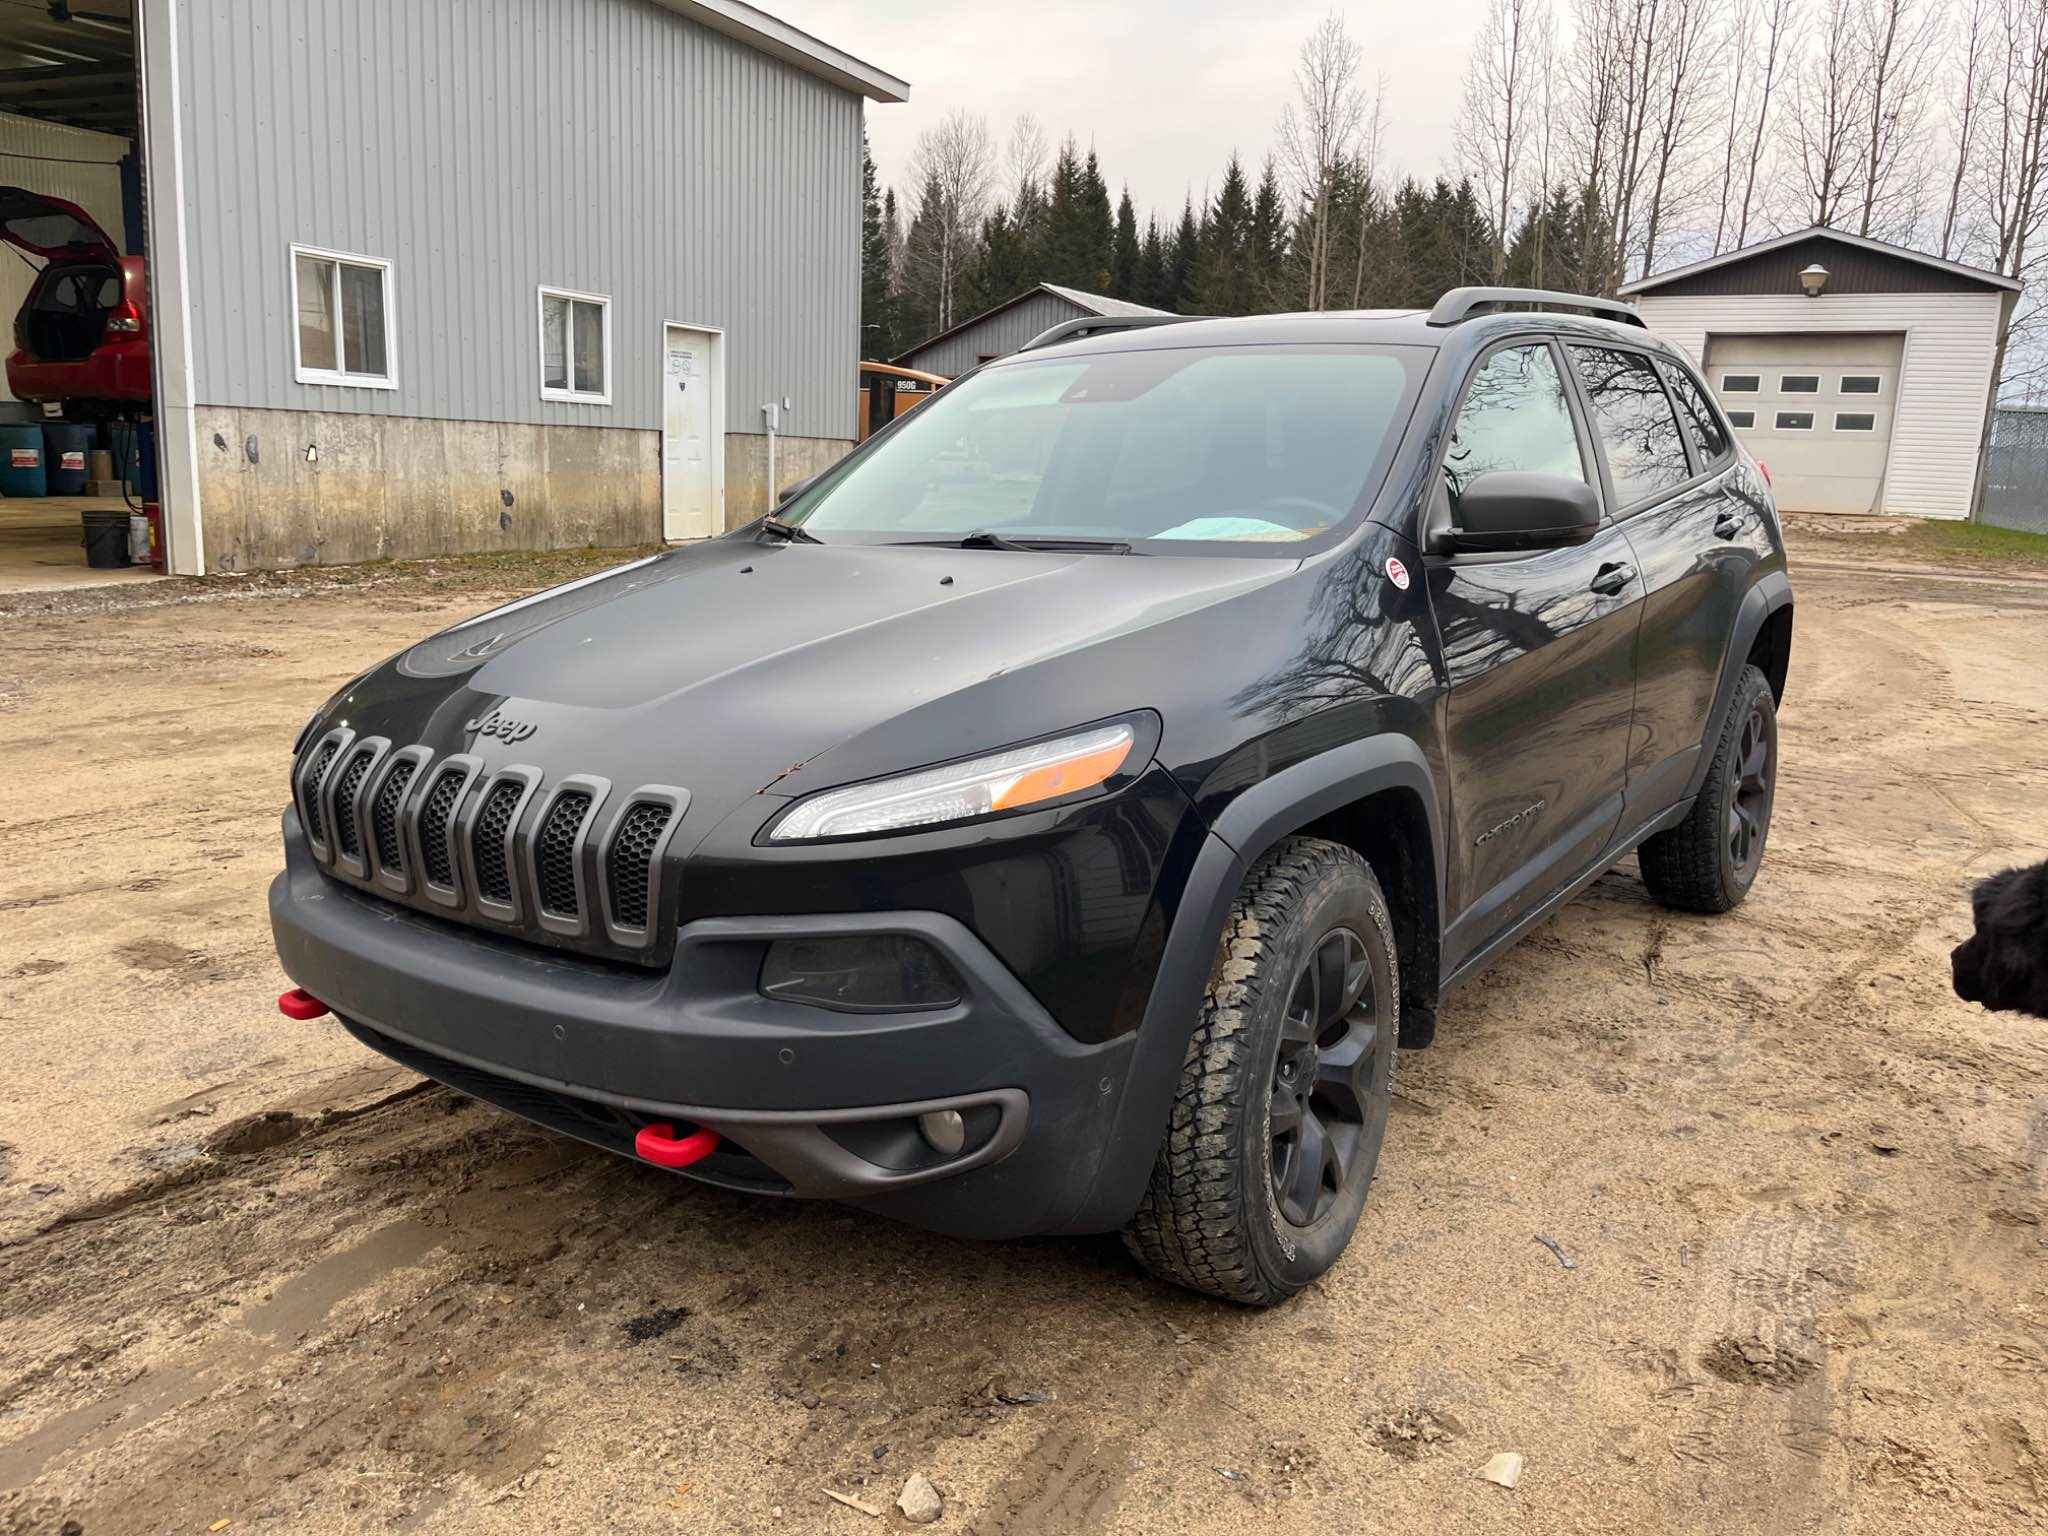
[502, 726]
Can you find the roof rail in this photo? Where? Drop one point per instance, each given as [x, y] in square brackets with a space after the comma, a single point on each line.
[1098, 325]
[1463, 303]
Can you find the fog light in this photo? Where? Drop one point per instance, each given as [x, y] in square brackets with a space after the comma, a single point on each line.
[860, 973]
[944, 1129]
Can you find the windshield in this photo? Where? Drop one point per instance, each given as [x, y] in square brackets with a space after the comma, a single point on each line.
[1258, 446]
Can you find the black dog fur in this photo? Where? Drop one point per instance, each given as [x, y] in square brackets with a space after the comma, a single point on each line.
[2004, 964]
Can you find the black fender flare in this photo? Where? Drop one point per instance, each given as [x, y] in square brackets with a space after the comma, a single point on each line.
[1770, 593]
[1246, 828]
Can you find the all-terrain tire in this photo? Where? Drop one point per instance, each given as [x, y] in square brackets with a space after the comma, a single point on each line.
[1704, 863]
[1212, 1219]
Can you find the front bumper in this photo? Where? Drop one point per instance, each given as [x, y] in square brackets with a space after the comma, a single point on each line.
[809, 1102]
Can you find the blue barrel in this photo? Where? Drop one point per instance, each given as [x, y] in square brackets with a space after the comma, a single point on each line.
[145, 454]
[65, 445]
[21, 462]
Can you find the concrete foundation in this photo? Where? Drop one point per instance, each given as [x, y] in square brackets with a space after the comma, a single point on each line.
[746, 469]
[282, 488]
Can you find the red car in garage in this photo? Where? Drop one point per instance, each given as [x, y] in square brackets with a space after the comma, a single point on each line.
[82, 334]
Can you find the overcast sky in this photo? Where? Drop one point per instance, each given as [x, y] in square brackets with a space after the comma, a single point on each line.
[1163, 91]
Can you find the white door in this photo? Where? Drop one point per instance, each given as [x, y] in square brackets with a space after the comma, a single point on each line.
[692, 449]
[1816, 408]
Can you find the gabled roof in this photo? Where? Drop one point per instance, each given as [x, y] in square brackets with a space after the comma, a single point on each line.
[1818, 232]
[778, 39]
[1093, 303]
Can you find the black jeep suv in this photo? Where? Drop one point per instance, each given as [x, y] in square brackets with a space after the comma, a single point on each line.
[1053, 818]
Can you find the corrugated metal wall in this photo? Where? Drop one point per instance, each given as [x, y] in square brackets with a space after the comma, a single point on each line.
[75, 164]
[488, 147]
[996, 337]
[1944, 378]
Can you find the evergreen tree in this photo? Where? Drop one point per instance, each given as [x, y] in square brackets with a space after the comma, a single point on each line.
[1181, 257]
[1098, 228]
[1123, 268]
[1151, 287]
[918, 297]
[877, 303]
[1223, 278]
[1063, 256]
[1266, 245]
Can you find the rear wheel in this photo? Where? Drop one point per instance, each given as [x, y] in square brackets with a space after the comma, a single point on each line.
[1283, 1098]
[1708, 862]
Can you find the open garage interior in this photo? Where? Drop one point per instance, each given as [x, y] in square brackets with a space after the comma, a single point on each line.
[78, 484]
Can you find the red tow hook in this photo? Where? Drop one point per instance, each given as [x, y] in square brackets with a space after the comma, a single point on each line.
[659, 1145]
[301, 1004]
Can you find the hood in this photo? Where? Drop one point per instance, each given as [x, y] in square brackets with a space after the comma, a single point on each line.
[725, 667]
[51, 228]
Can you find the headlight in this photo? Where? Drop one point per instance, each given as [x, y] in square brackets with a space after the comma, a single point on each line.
[1002, 781]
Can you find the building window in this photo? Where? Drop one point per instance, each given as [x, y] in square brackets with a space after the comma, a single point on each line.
[1798, 383]
[1862, 384]
[575, 346]
[1795, 421]
[1855, 421]
[1739, 383]
[1742, 418]
[342, 305]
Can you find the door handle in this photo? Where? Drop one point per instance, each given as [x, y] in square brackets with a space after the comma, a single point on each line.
[1730, 524]
[1612, 578]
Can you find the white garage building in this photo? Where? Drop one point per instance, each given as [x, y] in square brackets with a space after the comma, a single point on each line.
[1859, 372]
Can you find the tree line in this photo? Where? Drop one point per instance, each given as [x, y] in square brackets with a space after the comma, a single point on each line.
[1596, 141]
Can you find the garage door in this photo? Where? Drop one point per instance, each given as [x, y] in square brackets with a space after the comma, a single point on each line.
[1816, 408]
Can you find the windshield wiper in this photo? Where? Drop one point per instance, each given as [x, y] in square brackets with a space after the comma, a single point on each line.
[984, 538]
[789, 533]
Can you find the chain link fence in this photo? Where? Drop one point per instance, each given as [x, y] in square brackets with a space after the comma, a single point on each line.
[2016, 478]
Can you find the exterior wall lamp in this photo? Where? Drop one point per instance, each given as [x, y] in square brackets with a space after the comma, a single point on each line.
[1813, 279]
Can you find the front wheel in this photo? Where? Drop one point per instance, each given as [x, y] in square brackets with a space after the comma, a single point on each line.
[1284, 1091]
[1708, 862]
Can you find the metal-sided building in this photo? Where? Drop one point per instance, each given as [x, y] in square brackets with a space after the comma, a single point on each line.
[492, 274]
[1861, 373]
[1000, 331]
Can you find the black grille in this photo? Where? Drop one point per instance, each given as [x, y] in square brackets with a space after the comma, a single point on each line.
[345, 788]
[487, 842]
[434, 816]
[555, 856]
[632, 853]
[384, 814]
[316, 824]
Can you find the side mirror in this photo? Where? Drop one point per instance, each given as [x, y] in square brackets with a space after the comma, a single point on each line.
[790, 492]
[1512, 509]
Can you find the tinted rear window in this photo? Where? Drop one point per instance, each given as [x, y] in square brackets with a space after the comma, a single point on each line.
[1632, 415]
[1701, 425]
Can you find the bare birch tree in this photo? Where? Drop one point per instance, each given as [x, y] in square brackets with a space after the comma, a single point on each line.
[1493, 122]
[1025, 158]
[955, 162]
[1828, 115]
[1685, 63]
[1899, 41]
[1779, 20]
[1318, 133]
[2010, 186]
[1969, 66]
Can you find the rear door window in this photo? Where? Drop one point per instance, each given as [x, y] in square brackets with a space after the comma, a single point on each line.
[1701, 424]
[1514, 416]
[1632, 417]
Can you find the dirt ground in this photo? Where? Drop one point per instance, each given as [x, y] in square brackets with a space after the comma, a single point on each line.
[250, 1274]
